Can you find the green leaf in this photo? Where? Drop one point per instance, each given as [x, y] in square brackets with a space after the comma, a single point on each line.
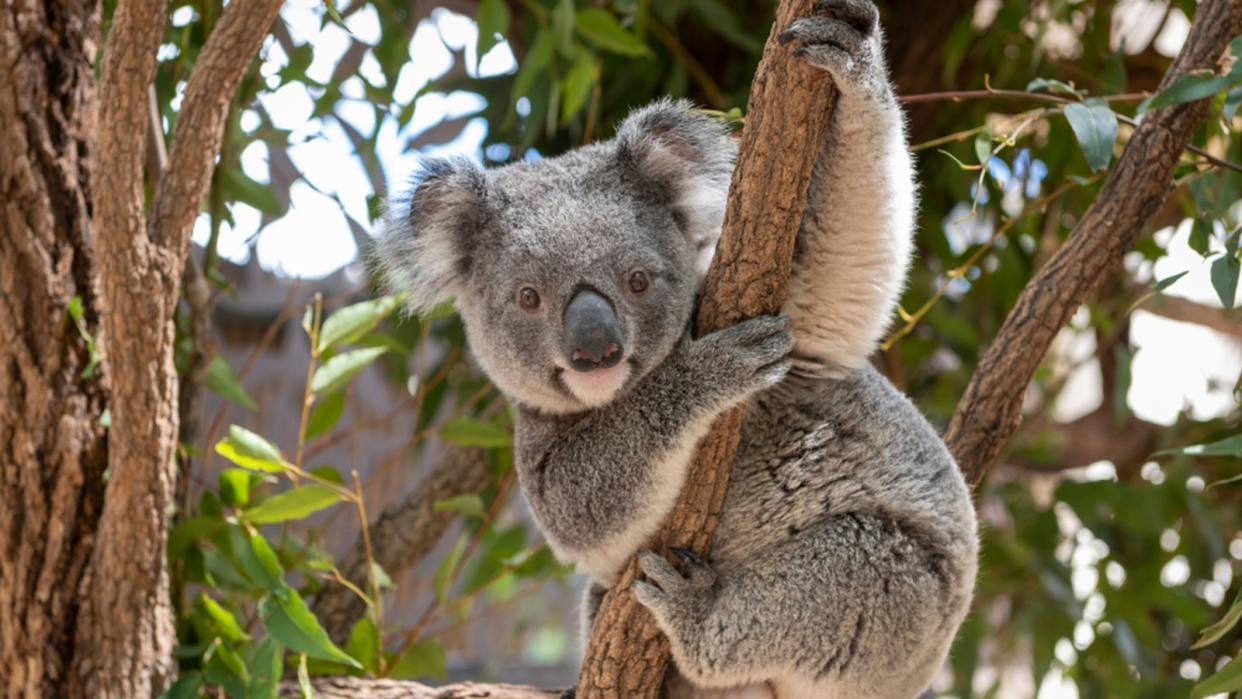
[1227, 680]
[470, 432]
[382, 580]
[224, 620]
[287, 618]
[337, 371]
[1053, 86]
[250, 451]
[1095, 126]
[364, 643]
[188, 686]
[293, 504]
[493, 21]
[304, 683]
[248, 191]
[1157, 289]
[1233, 100]
[1230, 446]
[533, 64]
[1190, 87]
[1217, 631]
[602, 29]
[1225, 271]
[563, 26]
[325, 415]
[983, 148]
[422, 659]
[266, 665]
[259, 561]
[335, 14]
[327, 473]
[225, 668]
[1201, 236]
[224, 383]
[352, 322]
[466, 504]
[235, 486]
[578, 84]
[444, 572]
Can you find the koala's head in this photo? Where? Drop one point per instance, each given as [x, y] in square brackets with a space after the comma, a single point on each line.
[576, 275]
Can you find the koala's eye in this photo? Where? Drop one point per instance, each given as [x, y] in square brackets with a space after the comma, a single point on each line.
[528, 299]
[639, 281]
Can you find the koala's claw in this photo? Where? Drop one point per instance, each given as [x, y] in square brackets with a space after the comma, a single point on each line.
[686, 555]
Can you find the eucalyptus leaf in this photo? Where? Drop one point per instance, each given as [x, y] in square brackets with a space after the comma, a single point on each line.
[1228, 679]
[602, 29]
[251, 451]
[293, 504]
[1230, 446]
[225, 383]
[337, 371]
[324, 416]
[287, 618]
[422, 659]
[1095, 127]
[348, 324]
[471, 432]
[493, 21]
[1225, 272]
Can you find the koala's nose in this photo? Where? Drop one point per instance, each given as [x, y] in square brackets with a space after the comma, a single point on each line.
[592, 340]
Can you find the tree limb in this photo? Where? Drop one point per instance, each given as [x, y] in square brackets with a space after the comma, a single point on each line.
[405, 533]
[354, 688]
[200, 125]
[1137, 185]
[787, 117]
[1187, 311]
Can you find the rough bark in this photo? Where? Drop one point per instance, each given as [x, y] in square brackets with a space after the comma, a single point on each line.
[352, 688]
[84, 606]
[404, 534]
[52, 446]
[787, 117]
[1134, 191]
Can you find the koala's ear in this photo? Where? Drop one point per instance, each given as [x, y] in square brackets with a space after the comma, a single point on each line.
[426, 247]
[688, 157]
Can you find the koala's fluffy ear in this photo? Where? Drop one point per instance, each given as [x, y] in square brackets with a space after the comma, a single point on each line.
[425, 249]
[688, 156]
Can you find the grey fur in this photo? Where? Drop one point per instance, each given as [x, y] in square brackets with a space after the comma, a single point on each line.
[845, 557]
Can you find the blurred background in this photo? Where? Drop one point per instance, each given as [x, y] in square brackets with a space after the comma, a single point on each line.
[1102, 563]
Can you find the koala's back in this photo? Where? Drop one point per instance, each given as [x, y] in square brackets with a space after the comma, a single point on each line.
[814, 449]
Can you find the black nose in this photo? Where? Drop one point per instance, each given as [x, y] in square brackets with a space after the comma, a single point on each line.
[592, 340]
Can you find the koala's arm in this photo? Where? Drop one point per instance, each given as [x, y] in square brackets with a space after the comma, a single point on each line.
[600, 482]
[855, 242]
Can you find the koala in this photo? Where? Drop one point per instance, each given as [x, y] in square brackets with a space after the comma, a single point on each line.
[845, 555]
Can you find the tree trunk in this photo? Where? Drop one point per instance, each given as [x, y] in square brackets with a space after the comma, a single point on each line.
[53, 447]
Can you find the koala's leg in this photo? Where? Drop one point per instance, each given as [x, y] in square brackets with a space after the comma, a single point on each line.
[599, 483]
[858, 606]
[855, 242]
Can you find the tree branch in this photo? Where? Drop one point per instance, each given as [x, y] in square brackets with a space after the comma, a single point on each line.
[405, 533]
[200, 125]
[1136, 187]
[787, 117]
[1187, 311]
[354, 688]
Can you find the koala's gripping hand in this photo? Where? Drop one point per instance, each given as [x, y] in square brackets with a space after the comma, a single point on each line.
[731, 365]
[843, 38]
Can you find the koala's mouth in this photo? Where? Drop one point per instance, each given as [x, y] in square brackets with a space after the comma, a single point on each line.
[596, 387]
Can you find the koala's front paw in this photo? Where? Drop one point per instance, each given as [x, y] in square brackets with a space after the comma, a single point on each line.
[745, 358]
[844, 39]
[679, 600]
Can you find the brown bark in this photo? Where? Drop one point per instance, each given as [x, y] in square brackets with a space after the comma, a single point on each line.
[787, 117]
[84, 605]
[52, 446]
[404, 534]
[1134, 191]
[352, 688]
